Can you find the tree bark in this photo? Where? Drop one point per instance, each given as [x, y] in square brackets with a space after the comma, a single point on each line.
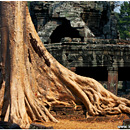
[32, 79]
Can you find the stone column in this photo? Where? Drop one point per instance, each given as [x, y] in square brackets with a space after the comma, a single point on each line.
[112, 80]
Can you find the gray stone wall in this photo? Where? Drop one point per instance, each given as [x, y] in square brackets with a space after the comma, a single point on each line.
[89, 18]
[91, 55]
[112, 55]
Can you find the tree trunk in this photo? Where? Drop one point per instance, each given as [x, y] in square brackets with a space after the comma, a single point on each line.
[32, 79]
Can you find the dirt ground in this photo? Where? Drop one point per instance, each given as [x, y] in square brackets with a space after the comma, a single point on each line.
[109, 122]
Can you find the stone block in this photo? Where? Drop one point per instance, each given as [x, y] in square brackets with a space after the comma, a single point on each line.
[15, 126]
[38, 126]
[66, 39]
[89, 13]
[76, 40]
[5, 125]
[126, 123]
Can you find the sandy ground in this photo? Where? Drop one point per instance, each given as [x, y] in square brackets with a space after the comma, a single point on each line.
[111, 122]
[67, 124]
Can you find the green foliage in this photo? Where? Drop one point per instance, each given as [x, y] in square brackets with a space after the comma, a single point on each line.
[28, 2]
[123, 19]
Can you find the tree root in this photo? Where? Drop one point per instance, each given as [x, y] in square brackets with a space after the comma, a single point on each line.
[33, 78]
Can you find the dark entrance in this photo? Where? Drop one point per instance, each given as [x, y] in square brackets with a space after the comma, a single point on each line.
[97, 73]
[123, 73]
[64, 30]
[124, 78]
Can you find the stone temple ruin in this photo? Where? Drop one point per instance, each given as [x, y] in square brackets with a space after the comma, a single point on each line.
[82, 35]
[82, 20]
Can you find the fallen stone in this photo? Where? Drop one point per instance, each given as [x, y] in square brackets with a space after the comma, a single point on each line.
[126, 123]
[5, 125]
[15, 126]
[38, 126]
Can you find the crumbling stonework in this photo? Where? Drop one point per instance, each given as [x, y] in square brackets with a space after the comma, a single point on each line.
[93, 53]
[75, 19]
[86, 36]
[111, 55]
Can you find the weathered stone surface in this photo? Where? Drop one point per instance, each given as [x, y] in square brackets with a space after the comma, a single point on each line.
[15, 126]
[38, 126]
[93, 53]
[5, 125]
[8, 125]
[66, 39]
[88, 18]
[126, 123]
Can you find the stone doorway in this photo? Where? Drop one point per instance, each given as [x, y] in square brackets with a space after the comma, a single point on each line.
[64, 30]
[101, 74]
[124, 79]
[98, 73]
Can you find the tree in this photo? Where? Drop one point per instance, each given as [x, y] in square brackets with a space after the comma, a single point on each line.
[116, 6]
[32, 79]
[124, 20]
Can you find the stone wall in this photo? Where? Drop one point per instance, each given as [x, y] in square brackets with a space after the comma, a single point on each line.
[85, 19]
[107, 59]
[94, 53]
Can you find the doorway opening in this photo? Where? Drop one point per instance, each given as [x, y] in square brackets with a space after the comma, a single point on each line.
[64, 30]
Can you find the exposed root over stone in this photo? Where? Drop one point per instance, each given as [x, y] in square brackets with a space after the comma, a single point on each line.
[33, 81]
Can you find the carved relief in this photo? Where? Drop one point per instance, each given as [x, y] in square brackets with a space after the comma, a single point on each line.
[99, 59]
[106, 59]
